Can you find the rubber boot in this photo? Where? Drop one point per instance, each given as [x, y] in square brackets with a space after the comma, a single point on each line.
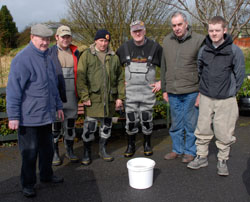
[102, 150]
[147, 146]
[69, 151]
[56, 158]
[131, 146]
[86, 159]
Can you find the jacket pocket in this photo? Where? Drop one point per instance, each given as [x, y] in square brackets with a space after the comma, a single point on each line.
[95, 95]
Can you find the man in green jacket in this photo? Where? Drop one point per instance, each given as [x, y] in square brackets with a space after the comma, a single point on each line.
[179, 80]
[100, 85]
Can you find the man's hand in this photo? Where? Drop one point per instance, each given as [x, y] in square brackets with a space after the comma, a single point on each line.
[118, 104]
[87, 103]
[60, 114]
[13, 124]
[197, 101]
[157, 86]
[165, 96]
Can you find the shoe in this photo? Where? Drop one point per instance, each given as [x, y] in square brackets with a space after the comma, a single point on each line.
[187, 158]
[222, 168]
[198, 162]
[171, 156]
[29, 192]
[54, 179]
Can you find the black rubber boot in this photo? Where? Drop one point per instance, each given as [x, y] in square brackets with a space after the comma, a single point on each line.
[86, 159]
[69, 151]
[56, 158]
[102, 150]
[131, 146]
[147, 146]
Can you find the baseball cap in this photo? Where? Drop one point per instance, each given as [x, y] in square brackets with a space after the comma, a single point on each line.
[137, 25]
[63, 30]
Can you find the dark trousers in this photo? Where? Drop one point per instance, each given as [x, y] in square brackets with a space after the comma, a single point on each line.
[35, 142]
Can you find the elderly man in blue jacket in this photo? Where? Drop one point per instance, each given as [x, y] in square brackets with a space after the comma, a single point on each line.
[32, 102]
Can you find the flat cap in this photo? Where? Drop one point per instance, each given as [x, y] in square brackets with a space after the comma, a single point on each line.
[41, 30]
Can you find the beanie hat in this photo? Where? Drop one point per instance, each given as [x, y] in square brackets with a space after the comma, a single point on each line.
[102, 34]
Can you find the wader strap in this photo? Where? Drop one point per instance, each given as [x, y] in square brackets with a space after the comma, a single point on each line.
[127, 54]
[152, 52]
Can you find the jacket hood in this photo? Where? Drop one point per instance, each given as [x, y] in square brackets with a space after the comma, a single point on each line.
[228, 41]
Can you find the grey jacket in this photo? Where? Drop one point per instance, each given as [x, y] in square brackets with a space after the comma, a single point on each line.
[179, 72]
[221, 69]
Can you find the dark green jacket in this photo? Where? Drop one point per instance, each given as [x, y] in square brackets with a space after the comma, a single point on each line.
[102, 84]
[179, 71]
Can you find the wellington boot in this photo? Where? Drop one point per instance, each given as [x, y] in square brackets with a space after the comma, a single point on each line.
[147, 145]
[69, 151]
[56, 158]
[130, 151]
[102, 150]
[86, 159]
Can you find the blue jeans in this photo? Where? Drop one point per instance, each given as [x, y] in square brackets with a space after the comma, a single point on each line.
[184, 117]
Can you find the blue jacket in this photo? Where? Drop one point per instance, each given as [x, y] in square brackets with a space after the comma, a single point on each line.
[32, 94]
[221, 70]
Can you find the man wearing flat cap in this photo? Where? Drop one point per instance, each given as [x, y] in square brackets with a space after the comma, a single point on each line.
[32, 102]
[100, 85]
[140, 56]
[65, 56]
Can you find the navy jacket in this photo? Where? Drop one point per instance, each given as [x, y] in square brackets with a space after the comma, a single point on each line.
[32, 95]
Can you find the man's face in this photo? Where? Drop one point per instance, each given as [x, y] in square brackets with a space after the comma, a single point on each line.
[41, 43]
[138, 35]
[63, 41]
[102, 44]
[216, 32]
[179, 26]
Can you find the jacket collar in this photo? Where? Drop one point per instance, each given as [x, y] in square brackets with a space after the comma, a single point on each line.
[187, 36]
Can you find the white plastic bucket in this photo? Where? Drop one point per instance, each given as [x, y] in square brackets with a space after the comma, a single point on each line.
[140, 172]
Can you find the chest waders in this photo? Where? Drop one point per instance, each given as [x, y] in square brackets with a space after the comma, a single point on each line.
[67, 127]
[139, 100]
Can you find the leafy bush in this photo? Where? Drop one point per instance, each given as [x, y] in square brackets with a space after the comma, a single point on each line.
[245, 89]
[161, 107]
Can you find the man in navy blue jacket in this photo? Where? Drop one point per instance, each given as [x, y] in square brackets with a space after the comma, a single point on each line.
[32, 102]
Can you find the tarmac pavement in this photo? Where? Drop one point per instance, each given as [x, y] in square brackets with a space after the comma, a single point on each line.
[108, 181]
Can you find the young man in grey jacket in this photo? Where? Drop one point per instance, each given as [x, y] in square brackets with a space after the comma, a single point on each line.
[221, 72]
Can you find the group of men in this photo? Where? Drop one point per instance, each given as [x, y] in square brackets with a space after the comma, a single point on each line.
[194, 73]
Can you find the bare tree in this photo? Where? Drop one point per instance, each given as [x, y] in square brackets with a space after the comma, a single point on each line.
[87, 16]
[236, 12]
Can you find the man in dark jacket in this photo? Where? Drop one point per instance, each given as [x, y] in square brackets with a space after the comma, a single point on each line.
[179, 76]
[140, 56]
[221, 71]
[32, 102]
[65, 56]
